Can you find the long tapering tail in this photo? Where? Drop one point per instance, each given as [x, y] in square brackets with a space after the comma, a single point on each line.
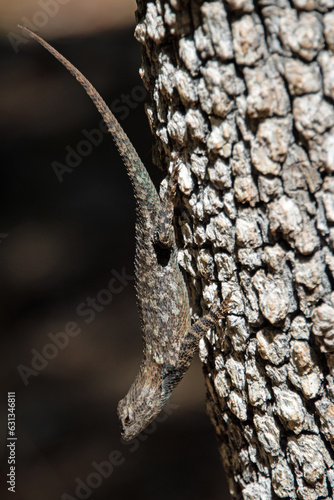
[144, 189]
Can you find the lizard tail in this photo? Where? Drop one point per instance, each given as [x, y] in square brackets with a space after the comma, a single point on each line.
[144, 189]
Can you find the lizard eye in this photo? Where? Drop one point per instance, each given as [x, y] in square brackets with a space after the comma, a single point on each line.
[129, 417]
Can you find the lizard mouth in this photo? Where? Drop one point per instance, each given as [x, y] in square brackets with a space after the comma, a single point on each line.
[126, 419]
[127, 433]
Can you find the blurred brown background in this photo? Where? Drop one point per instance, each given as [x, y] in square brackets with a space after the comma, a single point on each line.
[59, 243]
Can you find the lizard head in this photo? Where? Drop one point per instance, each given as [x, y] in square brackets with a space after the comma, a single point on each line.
[145, 399]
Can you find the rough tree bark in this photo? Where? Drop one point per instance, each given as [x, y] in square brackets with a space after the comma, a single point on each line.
[243, 92]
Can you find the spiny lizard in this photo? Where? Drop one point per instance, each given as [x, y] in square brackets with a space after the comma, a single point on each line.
[169, 340]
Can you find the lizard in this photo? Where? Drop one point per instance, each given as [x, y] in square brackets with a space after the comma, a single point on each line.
[169, 340]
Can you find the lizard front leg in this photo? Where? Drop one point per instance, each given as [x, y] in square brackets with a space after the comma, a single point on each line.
[199, 329]
[156, 381]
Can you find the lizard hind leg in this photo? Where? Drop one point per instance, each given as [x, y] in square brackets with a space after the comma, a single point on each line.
[164, 232]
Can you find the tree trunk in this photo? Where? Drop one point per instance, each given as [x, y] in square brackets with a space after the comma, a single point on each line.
[243, 94]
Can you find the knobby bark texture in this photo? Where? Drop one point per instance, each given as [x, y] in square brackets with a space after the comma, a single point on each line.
[242, 95]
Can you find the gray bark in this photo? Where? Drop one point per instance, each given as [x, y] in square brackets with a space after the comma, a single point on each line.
[243, 93]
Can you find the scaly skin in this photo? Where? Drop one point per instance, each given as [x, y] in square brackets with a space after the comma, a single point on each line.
[168, 341]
